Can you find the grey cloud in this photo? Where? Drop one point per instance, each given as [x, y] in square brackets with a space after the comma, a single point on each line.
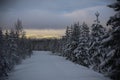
[41, 14]
[54, 5]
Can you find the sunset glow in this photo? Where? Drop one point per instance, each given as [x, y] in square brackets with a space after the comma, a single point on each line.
[44, 33]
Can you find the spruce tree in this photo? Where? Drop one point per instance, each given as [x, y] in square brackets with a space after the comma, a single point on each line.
[112, 42]
[95, 51]
[82, 50]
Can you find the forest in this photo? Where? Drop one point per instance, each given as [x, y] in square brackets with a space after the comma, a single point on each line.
[14, 47]
[96, 47]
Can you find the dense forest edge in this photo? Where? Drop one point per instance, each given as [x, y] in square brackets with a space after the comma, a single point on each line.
[14, 46]
[95, 47]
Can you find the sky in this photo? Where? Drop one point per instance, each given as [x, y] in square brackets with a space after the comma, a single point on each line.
[52, 16]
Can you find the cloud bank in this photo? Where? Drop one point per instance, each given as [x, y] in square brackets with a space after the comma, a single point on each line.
[41, 19]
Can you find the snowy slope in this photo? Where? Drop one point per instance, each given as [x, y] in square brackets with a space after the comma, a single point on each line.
[44, 66]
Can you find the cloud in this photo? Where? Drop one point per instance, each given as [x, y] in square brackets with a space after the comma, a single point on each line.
[37, 19]
[88, 14]
[58, 5]
[54, 14]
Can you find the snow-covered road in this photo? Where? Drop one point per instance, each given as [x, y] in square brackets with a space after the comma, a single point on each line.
[44, 66]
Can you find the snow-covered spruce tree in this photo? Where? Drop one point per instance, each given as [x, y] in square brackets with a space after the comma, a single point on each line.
[63, 46]
[24, 47]
[19, 33]
[112, 42]
[66, 41]
[2, 56]
[72, 42]
[75, 33]
[13, 54]
[19, 28]
[7, 49]
[82, 49]
[10, 50]
[1, 52]
[95, 51]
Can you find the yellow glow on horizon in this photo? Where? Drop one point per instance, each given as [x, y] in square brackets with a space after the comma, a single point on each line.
[44, 33]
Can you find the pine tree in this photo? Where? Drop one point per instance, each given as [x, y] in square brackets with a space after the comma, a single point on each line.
[19, 28]
[82, 50]
[66, 42]
[13, 46]
[95, 51]
[70, 41]
[75, 33]
[1, 54]
[112, 43]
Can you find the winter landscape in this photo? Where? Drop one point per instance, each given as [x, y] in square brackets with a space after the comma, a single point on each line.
[60, 40]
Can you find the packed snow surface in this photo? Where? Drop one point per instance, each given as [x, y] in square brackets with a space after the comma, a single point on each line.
[45, 66]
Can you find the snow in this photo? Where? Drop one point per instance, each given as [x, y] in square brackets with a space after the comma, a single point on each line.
[45, 66]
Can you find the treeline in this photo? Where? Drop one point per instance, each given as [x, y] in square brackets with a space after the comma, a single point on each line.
[94, 46]
[51, 44]
[14, 47]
